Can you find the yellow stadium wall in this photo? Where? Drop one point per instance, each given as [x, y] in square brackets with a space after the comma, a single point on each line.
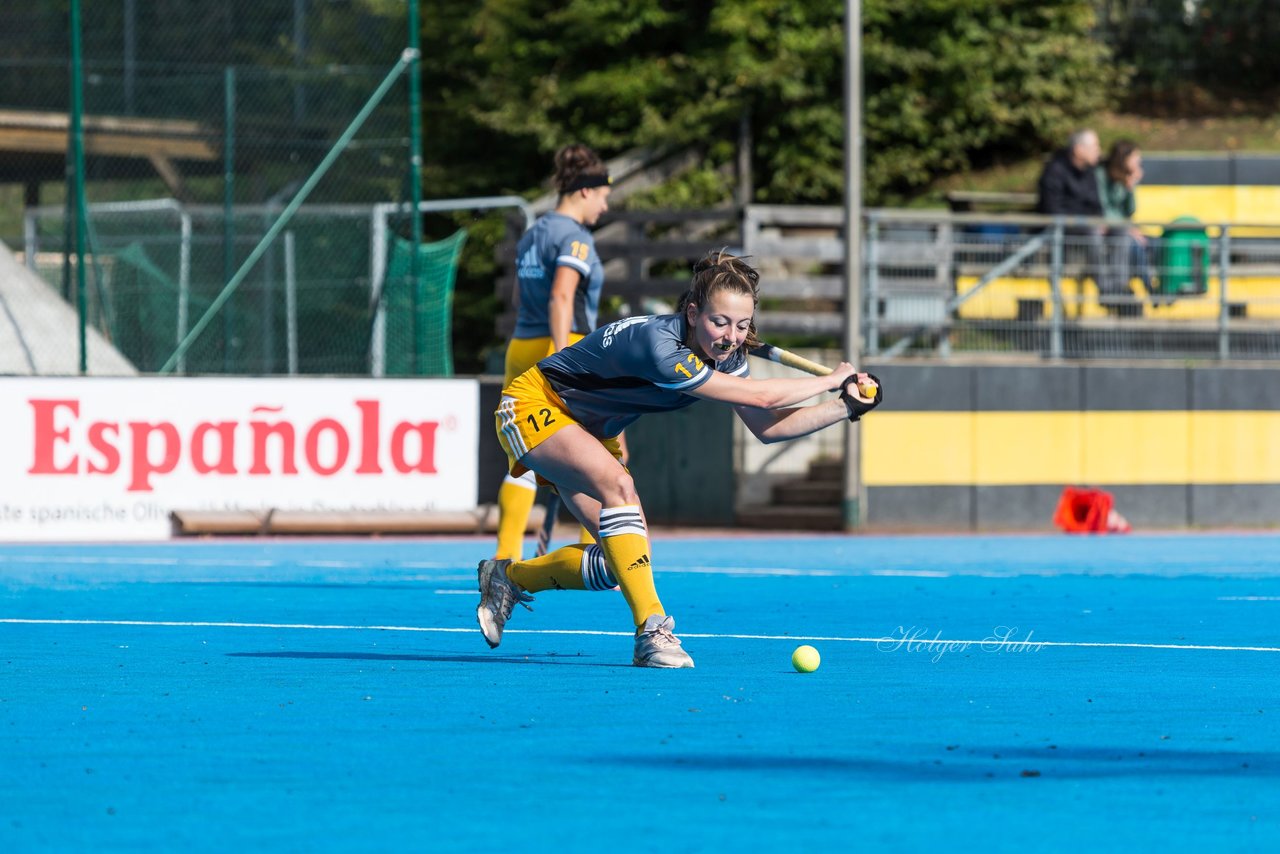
[983, 447]
[1133, 448]
[999, 299]
[1254, 205]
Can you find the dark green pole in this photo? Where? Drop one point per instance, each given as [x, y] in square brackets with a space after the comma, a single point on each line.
[415, 178]
[69, 220]
[228, 202]
[854, 507]
[77, 188]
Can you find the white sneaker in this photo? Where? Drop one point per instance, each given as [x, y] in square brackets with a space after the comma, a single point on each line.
[498, 598]
[656, 646]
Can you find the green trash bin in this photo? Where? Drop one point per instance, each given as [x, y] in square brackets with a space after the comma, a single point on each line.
[1184, 259]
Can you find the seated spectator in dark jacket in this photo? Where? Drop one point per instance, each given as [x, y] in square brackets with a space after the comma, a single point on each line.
[1069, 187]
[1067, 184]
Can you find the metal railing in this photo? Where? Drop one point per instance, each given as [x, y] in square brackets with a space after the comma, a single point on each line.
[940, 283]
[1071, 288]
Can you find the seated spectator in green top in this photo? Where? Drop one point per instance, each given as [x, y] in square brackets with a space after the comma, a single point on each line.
[1117, 178]
[1068, 187]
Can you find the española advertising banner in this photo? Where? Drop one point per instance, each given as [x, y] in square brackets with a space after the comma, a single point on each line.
[110, 458]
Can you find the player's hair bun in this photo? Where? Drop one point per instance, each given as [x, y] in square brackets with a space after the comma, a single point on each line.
[573, 161]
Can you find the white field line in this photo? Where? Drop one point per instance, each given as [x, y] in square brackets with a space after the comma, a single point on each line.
[67, 560]
[90, 560]
[801, 573]
[887, 642]
[1249, 598]
[237, 563]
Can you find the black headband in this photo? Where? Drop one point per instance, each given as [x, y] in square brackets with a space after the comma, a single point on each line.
[586, 182]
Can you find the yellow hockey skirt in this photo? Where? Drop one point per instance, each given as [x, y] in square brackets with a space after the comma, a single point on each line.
[531, 412]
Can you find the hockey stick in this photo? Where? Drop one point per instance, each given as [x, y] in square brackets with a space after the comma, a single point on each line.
[868, 390]
[552, 505]
[791, 360]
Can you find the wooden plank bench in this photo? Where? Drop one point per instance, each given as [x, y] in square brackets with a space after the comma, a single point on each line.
[187, 523]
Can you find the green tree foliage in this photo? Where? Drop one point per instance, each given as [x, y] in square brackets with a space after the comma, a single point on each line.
[506, 82]
[949, 80]
[945, 81]
[1226, 47]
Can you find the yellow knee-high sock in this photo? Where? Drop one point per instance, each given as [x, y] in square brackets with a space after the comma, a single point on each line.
[515, 500]
[626, 551]
[584, 536]
[559, 570]
[575, 567]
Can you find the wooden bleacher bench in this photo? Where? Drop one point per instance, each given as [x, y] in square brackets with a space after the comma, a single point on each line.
[984, 201]
[482, 520]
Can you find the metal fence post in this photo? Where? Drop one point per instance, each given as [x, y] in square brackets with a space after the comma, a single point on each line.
[30, 240]
[228, 203]
[414, 54]
[184, 284]
[291, 301]
[1055, 285]
[377, 272]
[76, 193]
[1224, 306]
[871, 312]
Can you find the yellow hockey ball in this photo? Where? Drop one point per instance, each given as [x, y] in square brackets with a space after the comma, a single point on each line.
[805, 659]
[867, 390]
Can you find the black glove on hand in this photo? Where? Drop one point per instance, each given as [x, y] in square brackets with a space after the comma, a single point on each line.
[858, 408]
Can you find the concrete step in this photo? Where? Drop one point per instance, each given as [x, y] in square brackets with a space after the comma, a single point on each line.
[806, 518]
[822, 493]
[826, 470]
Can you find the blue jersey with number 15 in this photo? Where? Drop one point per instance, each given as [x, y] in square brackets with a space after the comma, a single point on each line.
[630, 367]
[556, 241]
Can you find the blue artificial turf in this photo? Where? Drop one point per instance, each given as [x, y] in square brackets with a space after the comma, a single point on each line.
[294, 724]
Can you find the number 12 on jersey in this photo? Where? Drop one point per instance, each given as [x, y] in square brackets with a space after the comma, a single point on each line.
[697, 366]
[547, 420]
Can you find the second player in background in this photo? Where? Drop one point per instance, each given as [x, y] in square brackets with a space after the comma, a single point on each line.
[559, 280]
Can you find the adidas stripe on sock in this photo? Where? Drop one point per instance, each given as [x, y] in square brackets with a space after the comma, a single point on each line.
[622, 520]
[595, 571]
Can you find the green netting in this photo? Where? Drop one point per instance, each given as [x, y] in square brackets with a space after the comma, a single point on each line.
[306, 307]
[438, 267]
[145, 303]
[227, 105]
[299, 72]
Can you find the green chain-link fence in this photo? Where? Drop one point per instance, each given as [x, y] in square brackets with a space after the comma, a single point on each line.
[224, 111]
[310, 305]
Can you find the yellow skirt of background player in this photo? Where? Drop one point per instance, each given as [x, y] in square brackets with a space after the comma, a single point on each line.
[524, 353]
[531, 412]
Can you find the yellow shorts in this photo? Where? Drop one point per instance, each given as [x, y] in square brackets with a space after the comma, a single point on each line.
[529, 413]
[524, 353]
